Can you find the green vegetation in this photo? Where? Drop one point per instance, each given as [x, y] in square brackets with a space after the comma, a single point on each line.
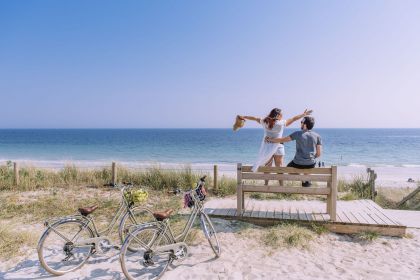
[319, 228]
[367, 236]
[287, 235]
[225, 186]
[358, 188]
[12, 243]
[154, 178]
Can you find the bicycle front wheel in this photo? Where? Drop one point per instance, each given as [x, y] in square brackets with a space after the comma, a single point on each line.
[144, 262]
[57, 250]
[210, 233]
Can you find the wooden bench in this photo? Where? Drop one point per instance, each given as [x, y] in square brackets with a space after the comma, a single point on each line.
[328, 175]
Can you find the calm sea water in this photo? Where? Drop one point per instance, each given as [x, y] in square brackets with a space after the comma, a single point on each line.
[375, 147]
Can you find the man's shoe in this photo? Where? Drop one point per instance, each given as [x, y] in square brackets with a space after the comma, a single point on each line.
[306, 184]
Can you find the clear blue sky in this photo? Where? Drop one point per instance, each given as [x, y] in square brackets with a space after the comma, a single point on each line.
[83, 64]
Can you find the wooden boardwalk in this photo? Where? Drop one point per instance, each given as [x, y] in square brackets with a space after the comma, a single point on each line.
[352, 216]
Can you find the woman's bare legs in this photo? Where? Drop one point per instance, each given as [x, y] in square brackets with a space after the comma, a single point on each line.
[269, 163]
[278, 161]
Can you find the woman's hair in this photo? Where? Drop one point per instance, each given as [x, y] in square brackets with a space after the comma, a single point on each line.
[270, 120]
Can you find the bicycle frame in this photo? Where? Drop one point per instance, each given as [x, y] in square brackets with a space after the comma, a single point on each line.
[123, 209]
[166, 228]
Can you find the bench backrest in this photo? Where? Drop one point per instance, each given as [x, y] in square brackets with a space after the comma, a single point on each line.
[324, 174]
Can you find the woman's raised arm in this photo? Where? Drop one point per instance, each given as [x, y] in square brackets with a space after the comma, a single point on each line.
[298, 117]
[251, 118]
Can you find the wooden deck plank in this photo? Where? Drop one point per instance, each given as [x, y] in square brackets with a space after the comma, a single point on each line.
[249, 209]
[357, 221]
[362, 218]
[270, 211]
[278, 211]
[339, 219]
[256, 210]
[316, 213]
[220, 212]
[381, 213]
[344, 217]
[263, 210]
[232, 212]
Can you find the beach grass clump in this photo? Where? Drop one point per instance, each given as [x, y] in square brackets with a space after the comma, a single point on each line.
[367, 236]
[160, 179]
[358, 188]
[13, 242]
[287, 235]
[256, 195]
[225, 186]
[348, 196]
[6, 175]
[319, 228]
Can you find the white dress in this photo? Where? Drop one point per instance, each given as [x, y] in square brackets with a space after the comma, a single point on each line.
[267, 150]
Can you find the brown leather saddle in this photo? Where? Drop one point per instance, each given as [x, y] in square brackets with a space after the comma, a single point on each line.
[87, 210]
[162, 215]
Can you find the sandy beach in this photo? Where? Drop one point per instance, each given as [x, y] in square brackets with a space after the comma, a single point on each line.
[329, 256]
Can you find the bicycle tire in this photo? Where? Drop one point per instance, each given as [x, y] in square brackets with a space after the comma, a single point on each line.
[142, 263]
[62, 245]
[210, 233]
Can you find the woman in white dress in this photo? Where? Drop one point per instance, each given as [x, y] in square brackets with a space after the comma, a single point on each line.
[273, 126]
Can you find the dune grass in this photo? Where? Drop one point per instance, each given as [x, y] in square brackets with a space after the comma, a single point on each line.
[367, 236]
[287, 235]
[13, 242]
[32, 178]
[357, 188]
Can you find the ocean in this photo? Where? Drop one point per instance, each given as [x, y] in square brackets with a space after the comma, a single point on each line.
[97, 147]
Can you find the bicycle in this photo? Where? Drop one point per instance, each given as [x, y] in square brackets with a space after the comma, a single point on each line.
[68, 242]
[156, 243]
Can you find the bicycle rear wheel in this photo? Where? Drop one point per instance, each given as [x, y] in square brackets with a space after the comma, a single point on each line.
[210, 234]
[144, 263]
[57, 251]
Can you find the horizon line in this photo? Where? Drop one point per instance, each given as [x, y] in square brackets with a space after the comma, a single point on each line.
[98, 128]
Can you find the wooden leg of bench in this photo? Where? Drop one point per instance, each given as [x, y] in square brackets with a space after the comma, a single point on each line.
[329, 204]
[243, 200]
[333, 209]
[239, 201]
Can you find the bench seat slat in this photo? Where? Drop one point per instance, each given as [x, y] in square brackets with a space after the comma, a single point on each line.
[278, 189]
[286, 177]
[273, 169]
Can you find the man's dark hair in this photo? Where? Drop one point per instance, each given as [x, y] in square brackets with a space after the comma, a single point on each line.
[309, 121]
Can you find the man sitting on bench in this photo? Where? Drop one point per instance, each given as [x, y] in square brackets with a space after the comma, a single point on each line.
[308, 146]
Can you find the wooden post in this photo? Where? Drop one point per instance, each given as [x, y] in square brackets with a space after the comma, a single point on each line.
[374, 176]
[239, 192]
[114, 174]
[215, 178]
[16, 173]
[371, 181]
[333, 206]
